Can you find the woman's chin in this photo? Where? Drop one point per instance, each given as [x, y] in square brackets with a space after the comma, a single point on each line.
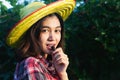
[48, 51]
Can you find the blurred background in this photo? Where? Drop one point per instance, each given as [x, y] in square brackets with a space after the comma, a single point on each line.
[92, 39]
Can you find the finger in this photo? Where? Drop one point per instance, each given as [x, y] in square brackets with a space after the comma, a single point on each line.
[60, 61]
[56, 56]
[58, 50]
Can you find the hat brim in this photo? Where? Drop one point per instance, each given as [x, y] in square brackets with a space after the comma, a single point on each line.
[62, 7]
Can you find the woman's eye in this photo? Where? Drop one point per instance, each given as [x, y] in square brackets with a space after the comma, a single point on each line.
[44, 30]
[58, 30]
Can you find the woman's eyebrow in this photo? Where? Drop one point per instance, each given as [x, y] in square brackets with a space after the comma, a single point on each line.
[58, 27]
[45, 27]
[49, 27]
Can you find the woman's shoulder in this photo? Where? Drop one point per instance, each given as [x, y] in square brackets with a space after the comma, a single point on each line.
[28, 67]
[30, 64]
[29, 61]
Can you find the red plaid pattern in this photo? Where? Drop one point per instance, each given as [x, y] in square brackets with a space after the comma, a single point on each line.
[34, 69]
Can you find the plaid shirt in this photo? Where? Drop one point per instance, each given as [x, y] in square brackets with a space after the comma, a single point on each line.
[35, 69]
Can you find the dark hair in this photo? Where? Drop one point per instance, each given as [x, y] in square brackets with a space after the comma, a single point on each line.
[29, 44]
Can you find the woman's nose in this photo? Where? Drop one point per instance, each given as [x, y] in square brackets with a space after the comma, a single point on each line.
[51, 36]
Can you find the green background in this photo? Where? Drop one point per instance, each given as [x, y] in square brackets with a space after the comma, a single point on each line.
[92, 39]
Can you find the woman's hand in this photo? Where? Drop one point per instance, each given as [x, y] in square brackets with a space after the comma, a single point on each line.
[60, 61]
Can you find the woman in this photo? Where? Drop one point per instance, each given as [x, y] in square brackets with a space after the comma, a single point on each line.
[38, 39]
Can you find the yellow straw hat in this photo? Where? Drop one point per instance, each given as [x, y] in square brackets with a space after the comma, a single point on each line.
[34, 12]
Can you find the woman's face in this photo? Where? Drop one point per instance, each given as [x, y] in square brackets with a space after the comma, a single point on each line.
[50, 33]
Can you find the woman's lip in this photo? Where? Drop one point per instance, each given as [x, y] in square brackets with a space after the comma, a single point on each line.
[49, 46]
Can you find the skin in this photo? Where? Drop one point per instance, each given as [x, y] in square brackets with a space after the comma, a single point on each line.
[50, 36]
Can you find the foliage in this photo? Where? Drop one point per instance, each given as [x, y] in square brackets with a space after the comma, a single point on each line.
[8, 18]
[92, 40]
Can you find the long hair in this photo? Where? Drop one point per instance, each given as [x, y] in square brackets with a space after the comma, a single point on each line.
[29, 44]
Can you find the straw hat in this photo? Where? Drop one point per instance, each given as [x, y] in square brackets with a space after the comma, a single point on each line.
[34, 12]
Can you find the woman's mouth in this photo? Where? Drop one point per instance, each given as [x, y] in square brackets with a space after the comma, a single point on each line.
[50, 46]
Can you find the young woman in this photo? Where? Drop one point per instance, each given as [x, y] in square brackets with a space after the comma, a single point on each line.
[39, 41]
